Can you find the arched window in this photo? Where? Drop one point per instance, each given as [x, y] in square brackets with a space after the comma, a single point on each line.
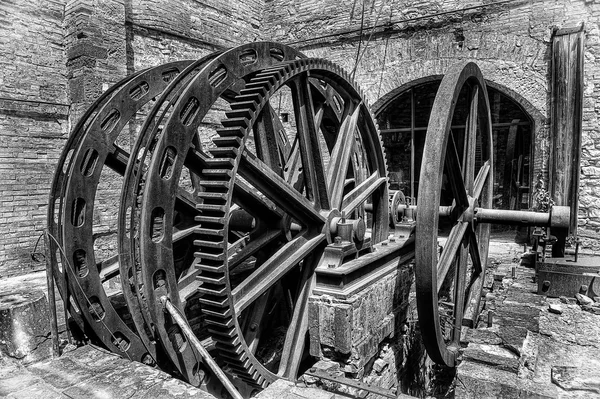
[403, 123]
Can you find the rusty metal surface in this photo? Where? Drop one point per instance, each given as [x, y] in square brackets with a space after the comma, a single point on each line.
[236, 216]
[386, 393]
[470, 188]
[233, 304]
[567, 277]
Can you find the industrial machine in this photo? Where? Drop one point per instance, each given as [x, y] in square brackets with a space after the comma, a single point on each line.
[240, 184]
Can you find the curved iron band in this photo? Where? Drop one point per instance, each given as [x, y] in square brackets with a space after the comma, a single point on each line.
[225, 73]
[430, 184]
[132, 182]
[97, 149]
[55, 200]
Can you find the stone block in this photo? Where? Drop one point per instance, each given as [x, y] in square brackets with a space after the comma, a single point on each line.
[492, 355]
[25, 326]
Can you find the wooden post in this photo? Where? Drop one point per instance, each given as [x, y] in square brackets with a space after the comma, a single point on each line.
[566, 120]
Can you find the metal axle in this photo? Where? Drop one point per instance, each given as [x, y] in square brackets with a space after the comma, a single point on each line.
[559, 216]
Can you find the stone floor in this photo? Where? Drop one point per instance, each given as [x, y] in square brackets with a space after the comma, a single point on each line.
[529, 351]
[90, 372]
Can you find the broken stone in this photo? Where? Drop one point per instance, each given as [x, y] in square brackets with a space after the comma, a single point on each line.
[379, 365]
[564, 299]
[572, 378]
[555, 308]
[583, 299]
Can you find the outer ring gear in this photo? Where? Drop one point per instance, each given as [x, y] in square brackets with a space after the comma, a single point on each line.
[218, 183]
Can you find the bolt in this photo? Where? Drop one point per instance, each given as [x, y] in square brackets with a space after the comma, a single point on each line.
[583, 289]
[337, 240]
[313, 369]
[514, 272]
[253, 327]
[331, 265]
[384, 243]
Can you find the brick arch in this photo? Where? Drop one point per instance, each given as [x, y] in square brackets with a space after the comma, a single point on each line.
[539, 128]
[536, 114]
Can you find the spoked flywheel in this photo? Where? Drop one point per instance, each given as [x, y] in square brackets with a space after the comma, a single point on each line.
[455, 180]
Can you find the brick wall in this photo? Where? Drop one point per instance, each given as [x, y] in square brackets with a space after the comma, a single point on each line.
[33, 123]
[56, 58]
[509, 40]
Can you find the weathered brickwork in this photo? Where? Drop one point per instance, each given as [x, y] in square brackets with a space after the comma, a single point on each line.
[56, 58]
[33, 123]
[509, 40]
[212, 22]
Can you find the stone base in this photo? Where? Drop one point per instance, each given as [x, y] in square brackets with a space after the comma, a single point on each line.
[25, 326]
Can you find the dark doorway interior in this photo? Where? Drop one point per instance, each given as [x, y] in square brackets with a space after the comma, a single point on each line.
[403, 123]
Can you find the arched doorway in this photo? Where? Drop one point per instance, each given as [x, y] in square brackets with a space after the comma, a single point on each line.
[403, 123]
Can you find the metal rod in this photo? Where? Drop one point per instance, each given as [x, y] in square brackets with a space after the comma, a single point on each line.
[210, 362]
[51, 300]
[412, 143]
[504, 216]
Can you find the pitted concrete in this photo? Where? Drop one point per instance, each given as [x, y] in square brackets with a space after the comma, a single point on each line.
[90, 372]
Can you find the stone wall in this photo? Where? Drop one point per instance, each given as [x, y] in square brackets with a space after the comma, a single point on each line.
[510, 40]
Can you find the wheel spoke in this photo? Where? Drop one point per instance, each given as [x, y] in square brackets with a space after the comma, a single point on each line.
[459, 293]
[291, 171]
[451, 248]
[341, 155]
[455, 177]
[480, 180]
[273, 269]
[255, 245]
[310, 150]
[276, 188]
[293, 348]
[470, 142]
[109, 268]
[252, 325]
[474, 252]
[188, 284]
[267, 139]
[244, 195]
[360, 193]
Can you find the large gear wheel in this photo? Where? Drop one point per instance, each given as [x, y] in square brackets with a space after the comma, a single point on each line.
[312, 197]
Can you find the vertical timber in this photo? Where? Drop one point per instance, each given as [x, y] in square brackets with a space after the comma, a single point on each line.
[566, 120]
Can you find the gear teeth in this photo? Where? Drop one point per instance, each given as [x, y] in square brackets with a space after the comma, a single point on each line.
[206, 290]
[224, 151]
[218, 185]
[213, 198]
[206, 279]
[214, 302]
[210, 232]
[254, 97]
[209, 208]
[234, 131]
[227, 141]
[234, 122]
[206, 268]
[210, 245]
[241, 113]
[219, 163]
[251, 105]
